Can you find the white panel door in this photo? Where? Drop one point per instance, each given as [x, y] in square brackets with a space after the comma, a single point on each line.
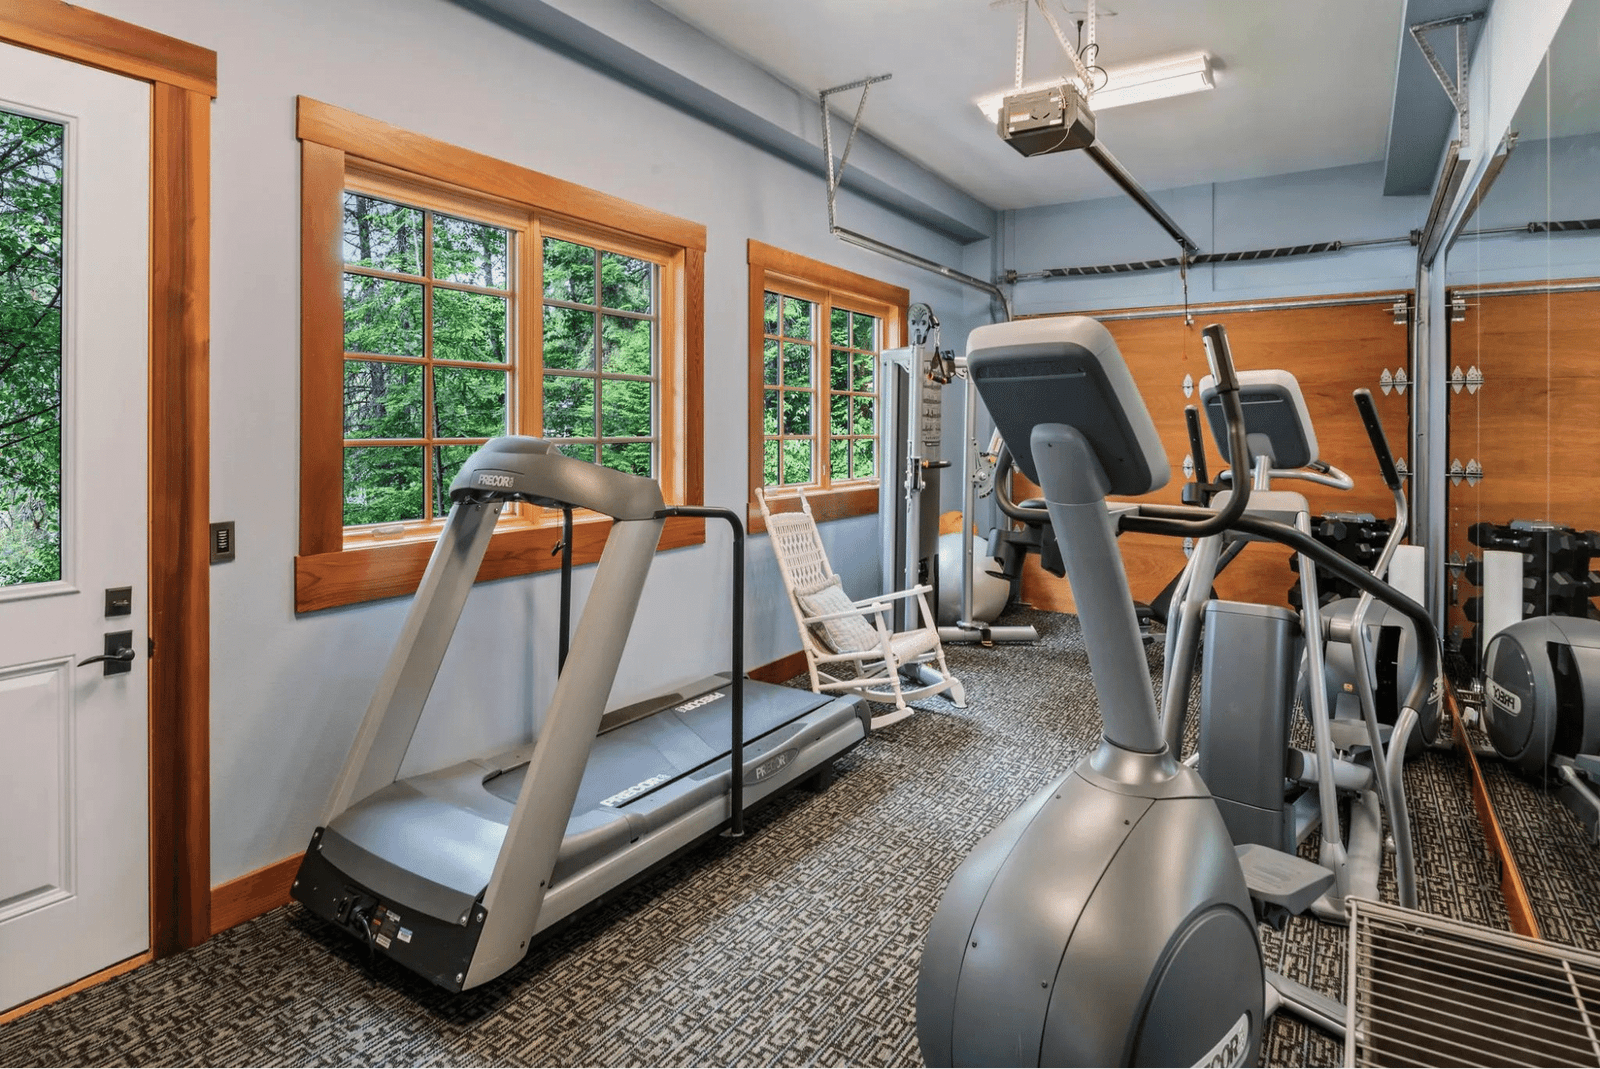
[74, 307]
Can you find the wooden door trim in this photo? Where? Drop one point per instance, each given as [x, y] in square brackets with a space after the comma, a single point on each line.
[97, 40]
[183, 78]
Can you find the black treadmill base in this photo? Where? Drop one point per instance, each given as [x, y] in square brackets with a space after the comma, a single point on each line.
[432, 948]
[441, 952]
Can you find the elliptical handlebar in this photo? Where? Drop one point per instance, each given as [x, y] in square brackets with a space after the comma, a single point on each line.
[1003, 463]
[1188, 521]
[1380, 441]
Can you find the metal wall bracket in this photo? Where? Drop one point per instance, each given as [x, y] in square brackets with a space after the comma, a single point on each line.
[1188, 386]
[1188, 466]
[1395, 381]
[1472, 472]
[1471, 379]
[1401, 469]
[1402, 311]
[1458, 309]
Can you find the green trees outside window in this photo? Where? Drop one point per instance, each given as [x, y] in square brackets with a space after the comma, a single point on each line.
[600, 324]
[427, 316]
[32, 168]
[795, 425]
[430, 365]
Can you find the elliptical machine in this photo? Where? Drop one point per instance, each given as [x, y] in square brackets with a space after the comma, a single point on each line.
[1270, 791]
[1110, 921]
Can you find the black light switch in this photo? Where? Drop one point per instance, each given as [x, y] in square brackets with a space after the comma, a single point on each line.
[119, 601]
[221, 542]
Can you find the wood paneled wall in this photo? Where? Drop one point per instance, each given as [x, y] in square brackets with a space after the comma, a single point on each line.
[1534, 425]
[1331, 351]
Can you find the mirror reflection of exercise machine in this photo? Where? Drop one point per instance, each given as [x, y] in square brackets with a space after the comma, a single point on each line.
[911, 466]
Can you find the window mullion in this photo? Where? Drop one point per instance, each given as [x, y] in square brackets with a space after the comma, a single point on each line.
[429, 420]
[821, 392]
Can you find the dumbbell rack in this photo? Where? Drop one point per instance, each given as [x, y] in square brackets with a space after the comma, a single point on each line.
[1556, 576]
[1356, 536]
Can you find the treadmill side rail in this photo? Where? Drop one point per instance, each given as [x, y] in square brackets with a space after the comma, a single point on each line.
[533, 840]
[385, 733]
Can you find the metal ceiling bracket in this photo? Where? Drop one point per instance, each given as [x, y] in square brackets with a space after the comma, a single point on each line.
[834, 178]
[1454, 88]
[836, 175]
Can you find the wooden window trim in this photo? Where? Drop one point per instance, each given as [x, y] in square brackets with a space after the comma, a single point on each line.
[183, 79]
[823, 282]
[340, 150]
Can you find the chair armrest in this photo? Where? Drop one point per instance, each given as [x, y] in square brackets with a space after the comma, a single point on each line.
[898, 595]
[842, 614]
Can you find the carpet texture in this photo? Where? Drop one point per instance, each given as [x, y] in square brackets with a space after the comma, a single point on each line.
[796, 947]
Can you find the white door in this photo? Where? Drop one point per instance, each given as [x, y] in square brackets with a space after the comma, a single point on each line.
[74, 306]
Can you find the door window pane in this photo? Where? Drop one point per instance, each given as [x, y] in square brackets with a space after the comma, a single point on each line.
[32, 162]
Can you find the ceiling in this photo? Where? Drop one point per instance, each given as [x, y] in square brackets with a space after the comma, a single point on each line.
[1299, 86]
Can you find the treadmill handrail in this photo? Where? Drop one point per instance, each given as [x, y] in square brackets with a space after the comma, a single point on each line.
[736, 713]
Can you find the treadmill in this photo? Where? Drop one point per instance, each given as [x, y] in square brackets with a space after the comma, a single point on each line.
[454, 873]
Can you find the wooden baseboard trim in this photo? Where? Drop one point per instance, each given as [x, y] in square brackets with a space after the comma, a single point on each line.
[252, 894]
[87, 982]
[1519, 907]
[784, 668]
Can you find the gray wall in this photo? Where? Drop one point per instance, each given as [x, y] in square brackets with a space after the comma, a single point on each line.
[288, 692]
[1339, 203]
[1555, 179]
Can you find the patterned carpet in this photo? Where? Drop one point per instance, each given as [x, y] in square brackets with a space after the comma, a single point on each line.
[797, 947]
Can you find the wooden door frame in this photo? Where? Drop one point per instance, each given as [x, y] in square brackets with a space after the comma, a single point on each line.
[183, 79]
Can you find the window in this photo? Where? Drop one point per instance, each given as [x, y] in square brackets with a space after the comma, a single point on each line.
[796, 440]
[816, 332]
[599, 355]
[32, 240]
[428, 369]
[448, 298]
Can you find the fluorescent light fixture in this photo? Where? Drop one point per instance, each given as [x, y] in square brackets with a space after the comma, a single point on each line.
[1131, 84]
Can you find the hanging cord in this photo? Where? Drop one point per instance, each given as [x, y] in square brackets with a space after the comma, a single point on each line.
[1183, 273]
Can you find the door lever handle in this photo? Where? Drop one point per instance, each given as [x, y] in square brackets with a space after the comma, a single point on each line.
[118, 656]
[123, 654]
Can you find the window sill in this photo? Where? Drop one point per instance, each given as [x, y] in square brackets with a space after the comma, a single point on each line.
[835, 504]
[394, 569]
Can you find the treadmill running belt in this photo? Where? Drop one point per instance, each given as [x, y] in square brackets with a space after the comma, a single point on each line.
[673, 742]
